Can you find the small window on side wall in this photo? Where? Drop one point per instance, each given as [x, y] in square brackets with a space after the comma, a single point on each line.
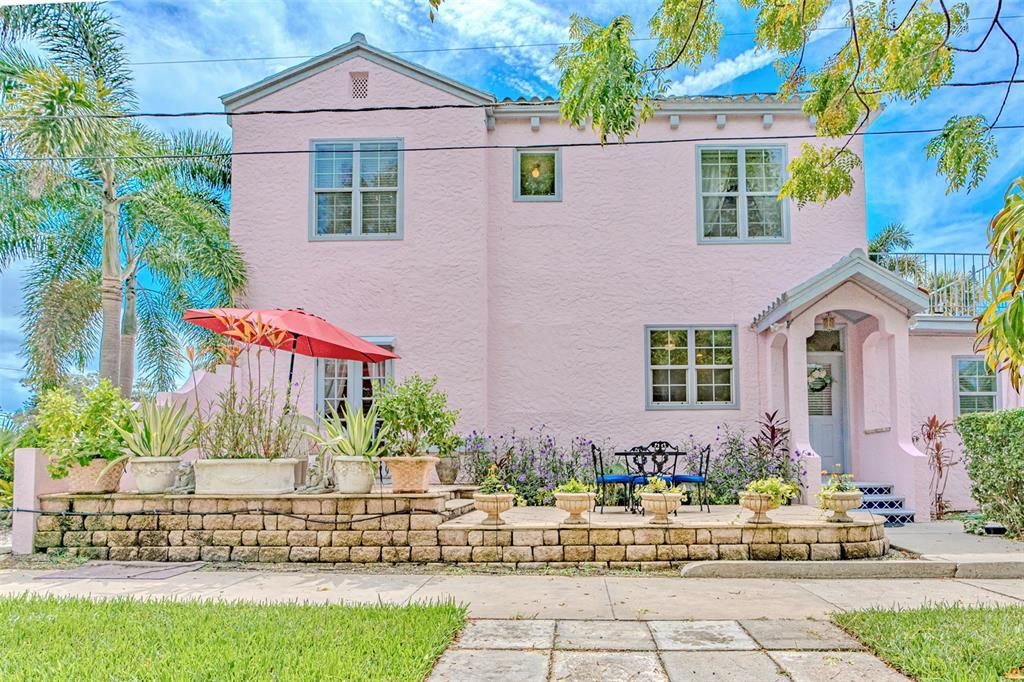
[538, 175]
[976, 388]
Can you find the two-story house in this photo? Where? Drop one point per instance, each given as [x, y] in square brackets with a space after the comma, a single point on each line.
[638, 291]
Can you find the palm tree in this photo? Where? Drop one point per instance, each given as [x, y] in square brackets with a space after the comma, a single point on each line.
[885, 247]
[122, 226]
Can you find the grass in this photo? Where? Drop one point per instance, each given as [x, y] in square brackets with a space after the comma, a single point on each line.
[954, 643]
[47, 638]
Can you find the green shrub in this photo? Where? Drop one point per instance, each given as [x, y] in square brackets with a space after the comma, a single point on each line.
[417, 417]
[994, 448]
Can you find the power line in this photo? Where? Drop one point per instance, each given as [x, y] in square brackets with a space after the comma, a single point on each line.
[472, 48]
[419, 107]
[565, 145]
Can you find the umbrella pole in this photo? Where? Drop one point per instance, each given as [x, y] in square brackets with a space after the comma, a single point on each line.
[291, 371]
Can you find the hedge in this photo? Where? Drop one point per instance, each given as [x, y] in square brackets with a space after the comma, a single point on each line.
[994, 445]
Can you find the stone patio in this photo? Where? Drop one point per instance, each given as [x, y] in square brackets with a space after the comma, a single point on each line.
[718, 650]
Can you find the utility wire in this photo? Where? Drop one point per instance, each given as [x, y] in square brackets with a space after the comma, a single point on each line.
[471, 48]
[425, 107]
[281, 152]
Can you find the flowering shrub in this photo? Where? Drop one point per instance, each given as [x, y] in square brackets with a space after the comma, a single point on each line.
[534, 463]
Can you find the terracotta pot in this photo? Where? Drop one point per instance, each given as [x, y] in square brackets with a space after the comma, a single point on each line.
[448, 470]
[660, 505]
[154, 474]
[840, 503]
[353, 475]
[494, 506]
[760, 504]
[575, 504]
[245, 476]
[91, 479]
[410, 474]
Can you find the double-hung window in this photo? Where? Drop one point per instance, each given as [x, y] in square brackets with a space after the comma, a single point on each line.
[739, 189]
[691, 367]
[976, 389]
[341, 382]
[357, 190]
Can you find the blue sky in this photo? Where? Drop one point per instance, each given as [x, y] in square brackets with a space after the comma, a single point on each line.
[901, 183]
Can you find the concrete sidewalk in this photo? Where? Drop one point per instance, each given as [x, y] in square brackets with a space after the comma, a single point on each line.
[947, 541]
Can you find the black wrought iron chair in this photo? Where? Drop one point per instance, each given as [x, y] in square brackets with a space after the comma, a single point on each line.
[700, 478]
[602, 479]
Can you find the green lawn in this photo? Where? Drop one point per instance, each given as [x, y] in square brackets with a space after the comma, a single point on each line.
[123, 639]
[952, 643]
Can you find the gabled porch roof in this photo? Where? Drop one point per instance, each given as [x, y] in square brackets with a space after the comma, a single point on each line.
[856, 267]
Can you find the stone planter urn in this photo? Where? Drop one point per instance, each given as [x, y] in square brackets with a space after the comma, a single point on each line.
[410, 474]
[660, 505]
[245, 476]
[92, 479]
[448, 470]
[154, 474]
[353, 475]
[760, 504]
[494, 506]
[575, 504]
[840, 503]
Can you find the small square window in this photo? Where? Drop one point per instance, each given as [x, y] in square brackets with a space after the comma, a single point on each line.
[538, 175]
[976, 386]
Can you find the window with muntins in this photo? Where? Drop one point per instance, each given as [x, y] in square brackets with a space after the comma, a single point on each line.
[356, 189]
[975, 385]
[351, 382]
[739, 187]
[538, 175]
[691, 367]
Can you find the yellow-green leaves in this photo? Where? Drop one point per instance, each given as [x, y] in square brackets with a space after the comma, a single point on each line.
[687, 32]
[820, 174]
[1001, 323]
[963, 151]
[601, 77]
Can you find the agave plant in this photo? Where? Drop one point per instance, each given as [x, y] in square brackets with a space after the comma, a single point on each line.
[352, 433]
[159, 430]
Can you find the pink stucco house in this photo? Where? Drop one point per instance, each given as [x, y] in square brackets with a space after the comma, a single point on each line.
[633, 292]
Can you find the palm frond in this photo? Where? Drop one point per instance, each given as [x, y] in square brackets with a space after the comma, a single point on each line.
[893, 237]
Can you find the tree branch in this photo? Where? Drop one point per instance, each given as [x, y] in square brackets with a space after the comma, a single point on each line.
[1016, 65]
[686, 43]
[991, 27]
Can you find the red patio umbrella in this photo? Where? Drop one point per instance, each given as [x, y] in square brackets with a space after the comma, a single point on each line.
[307, 334]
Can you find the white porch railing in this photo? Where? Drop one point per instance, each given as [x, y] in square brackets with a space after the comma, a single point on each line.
[954, 281]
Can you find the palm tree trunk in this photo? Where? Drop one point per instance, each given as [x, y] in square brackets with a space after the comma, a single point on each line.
[128, 332]
[110, 285]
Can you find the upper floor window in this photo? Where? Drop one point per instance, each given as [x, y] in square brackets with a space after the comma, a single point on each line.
[538, 175]
[976, 389]
[738, 194]
[691, 367]
[357, 189]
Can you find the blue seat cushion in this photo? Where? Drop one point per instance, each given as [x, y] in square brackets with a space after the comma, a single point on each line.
[687, 478]
[619, 478]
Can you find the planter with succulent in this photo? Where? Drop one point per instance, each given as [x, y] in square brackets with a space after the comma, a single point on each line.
[417, 417]
[155, 438]
[839, 496]
[660, 499]
[82, 435]
[252, 437]
[765, 494]
[494, 498]
[352, 441]
[574, 497]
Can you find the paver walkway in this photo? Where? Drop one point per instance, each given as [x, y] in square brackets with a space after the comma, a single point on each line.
[719, 650]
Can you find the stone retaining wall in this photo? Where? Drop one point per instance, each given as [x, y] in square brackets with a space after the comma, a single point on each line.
[409, 528]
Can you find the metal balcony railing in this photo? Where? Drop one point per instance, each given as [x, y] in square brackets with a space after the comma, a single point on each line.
[954, 281]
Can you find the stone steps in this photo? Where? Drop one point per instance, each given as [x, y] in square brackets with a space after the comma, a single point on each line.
[880, 500]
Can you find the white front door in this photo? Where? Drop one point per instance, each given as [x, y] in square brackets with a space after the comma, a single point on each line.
[826, 406]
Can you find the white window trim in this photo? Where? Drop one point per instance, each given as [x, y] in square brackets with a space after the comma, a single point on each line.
[354, 393]
[956, 385]
[516, 167]
[357, 234]
[691, 369]
[741, 202]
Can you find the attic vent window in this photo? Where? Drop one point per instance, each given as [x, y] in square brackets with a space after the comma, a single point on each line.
[360, 85]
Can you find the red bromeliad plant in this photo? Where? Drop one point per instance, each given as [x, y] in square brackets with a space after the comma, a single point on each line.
[931, 438]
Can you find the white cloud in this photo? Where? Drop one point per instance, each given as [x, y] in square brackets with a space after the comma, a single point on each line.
[723, 72]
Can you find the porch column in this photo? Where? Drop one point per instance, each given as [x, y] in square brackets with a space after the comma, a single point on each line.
[799, 422]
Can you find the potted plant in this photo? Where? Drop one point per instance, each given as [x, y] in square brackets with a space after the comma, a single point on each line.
[765, 494]
[252, 437]
[660, 499]
[574, 497]
[352, 441]
[155, 438]
[82, 436]
[449, 462]
[839, 496]
[494, 498]
[418, 419]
